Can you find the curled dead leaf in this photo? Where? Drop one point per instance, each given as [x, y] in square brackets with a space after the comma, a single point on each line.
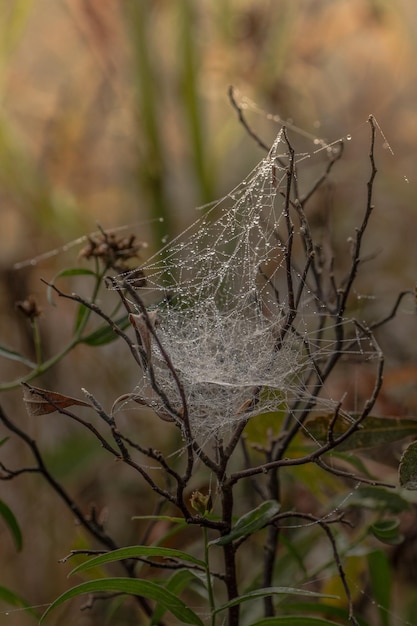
[134, 397]
[41, 401]
[142, 326]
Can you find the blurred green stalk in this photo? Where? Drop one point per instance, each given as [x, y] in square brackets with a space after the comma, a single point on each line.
[191, 64]
[151, 164]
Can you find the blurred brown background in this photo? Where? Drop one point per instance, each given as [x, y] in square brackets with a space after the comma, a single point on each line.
[116, 111]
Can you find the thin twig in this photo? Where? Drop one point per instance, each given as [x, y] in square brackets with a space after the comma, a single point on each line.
[243, 121]
[325, 526]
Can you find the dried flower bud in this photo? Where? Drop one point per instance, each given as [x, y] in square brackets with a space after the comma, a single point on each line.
[201, 503]
[29, 307]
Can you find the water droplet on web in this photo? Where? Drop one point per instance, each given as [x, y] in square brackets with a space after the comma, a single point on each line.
[406, 179]
[348, 137]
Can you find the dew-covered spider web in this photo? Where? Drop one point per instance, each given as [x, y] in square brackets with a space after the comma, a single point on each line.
[246, 324]
[237, 313]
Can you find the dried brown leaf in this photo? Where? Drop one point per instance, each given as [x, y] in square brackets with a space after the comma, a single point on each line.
[161, 412]
[133, 397]
[141, 325]
[41, 401]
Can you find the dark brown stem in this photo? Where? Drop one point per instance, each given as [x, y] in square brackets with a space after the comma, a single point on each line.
[362, 228]
[270, 547]
[229, 554]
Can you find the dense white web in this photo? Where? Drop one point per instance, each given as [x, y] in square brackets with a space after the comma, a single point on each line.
[240, 324]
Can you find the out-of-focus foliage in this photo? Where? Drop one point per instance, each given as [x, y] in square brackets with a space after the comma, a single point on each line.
[117, 112]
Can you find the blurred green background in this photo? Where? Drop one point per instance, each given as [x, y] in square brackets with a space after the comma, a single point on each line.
[117, 112]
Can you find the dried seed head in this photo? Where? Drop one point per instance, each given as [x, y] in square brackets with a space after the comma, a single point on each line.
[113, 251]
[29, 307]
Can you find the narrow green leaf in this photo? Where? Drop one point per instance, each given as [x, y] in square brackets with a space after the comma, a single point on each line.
[176, 583]
[132, 552]
[378, 499]
[380, 578]
[408, 467]
[105, 334]
[356, 461]
[11, 522]
[294, 620]
[180, 580]
[145, 588]
[387, 531]
[82, 313]
[250, 523]
[75, 271]
[323, 609]
[164, 518]
[13, 599]
[273, 591]
[372, 432]
[12, 355]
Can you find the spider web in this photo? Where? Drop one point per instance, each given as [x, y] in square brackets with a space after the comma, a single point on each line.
[242, 328]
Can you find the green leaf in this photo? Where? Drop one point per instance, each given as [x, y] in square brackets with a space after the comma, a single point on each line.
[256, 430]
[82, 314]
[11, 522]
[272, 591]
[105, 333]
[164, 518]
[408, 467]
[176, 583]
[387, 531]
[13, 599]
[373, 431]
[356, 461]
[294, 620]
[324, 609]
[75, 271]
[380, 579]
[132, 552]
[250, 523]
[145, 588]
[378, 499]
[12, 355]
